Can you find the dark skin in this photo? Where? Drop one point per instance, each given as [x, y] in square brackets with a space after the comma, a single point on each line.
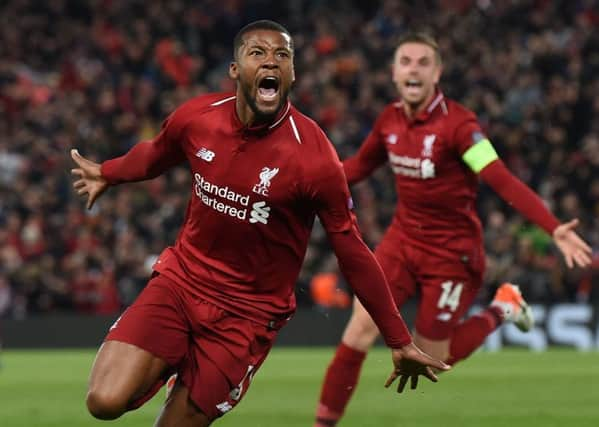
[263, 53]
[123, 372]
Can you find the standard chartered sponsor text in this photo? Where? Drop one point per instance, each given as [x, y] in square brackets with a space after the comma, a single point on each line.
[216, 197]
[204, 190]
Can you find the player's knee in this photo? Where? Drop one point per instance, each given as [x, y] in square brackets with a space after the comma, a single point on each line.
[364, 325]
[367, 329]
[104, 404]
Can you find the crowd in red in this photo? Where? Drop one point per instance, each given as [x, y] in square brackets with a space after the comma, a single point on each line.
[100, 75]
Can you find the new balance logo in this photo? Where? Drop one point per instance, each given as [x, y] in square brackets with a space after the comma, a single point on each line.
[259, 213]
[205, 154]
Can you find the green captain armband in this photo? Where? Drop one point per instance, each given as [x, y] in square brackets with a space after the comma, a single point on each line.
[480, 155]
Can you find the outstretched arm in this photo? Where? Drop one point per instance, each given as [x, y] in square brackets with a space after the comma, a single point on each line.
[145, 160]
[148, 159]
[329, 195]
[478, 153]
[365, 276]
[526, 201]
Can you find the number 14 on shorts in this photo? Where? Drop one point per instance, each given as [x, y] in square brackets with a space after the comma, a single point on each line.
[450, 296]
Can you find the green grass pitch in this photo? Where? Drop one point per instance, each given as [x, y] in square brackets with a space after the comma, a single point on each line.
[511, 388]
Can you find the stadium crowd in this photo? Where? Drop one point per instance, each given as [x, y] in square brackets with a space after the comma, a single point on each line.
[100, 75]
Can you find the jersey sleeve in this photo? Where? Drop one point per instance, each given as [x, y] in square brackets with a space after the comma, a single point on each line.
[371, 155]
[148, 159]
[364, 274]
[473, 145]
[327, 189]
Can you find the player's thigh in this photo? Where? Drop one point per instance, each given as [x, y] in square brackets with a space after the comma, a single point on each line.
[394, 259]
[361, 331]
[445, 299]
[150, 336]
[225, 353]
[121, 371]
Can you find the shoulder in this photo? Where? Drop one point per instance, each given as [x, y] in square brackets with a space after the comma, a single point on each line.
[201, 104]
[387, 115]
[310, 135]
[458, 113]
[196, 107]
[193, 112]
[315, 155]
[390, 110]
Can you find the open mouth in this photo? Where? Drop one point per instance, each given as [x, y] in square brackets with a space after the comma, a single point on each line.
[268, 88]
[413, 83]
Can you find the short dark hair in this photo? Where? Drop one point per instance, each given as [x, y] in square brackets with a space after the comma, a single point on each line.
[422, 38]
[263, 24]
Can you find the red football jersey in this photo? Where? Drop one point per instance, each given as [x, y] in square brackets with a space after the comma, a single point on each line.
[436, 190]
[255, 194]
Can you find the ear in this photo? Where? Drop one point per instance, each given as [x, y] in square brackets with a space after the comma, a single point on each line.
[233, 70]
[438, 74]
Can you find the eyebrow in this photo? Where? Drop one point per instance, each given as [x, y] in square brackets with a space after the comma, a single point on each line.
[258, 45]
[417, 59]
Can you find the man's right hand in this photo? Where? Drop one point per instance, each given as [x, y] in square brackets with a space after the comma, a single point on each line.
[90, 180]
[410, 362]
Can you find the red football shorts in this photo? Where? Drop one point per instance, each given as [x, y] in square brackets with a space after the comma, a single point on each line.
[214, 353]
[447, 288]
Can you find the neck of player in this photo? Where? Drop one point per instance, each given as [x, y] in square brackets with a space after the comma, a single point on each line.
[414, 109]
[248, 117]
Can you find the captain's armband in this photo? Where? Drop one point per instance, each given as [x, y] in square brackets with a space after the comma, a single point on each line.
[480, 155]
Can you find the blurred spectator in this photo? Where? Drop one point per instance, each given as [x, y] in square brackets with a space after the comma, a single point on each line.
[101, 75]
[327, 288]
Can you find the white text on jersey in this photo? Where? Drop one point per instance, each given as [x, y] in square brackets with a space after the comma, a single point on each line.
[412, 166]
[224, 200]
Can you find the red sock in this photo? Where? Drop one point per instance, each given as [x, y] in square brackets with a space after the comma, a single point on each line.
[339, 384]
[471, 333]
